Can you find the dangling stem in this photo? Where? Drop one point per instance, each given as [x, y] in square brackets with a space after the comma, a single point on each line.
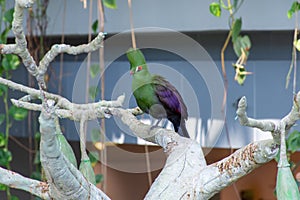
[131, 25]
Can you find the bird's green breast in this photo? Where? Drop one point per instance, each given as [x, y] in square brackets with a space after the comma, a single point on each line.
[145, 96]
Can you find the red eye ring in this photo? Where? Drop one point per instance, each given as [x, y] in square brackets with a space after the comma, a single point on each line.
[139, 68]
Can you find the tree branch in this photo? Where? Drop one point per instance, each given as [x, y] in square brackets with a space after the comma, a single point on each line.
[15, 180]
[266, 125]
[221, 174]
[186, 174]
[20, 46]
[65, 181]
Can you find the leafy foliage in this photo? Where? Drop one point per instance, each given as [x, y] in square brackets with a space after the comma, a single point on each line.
[5, 157]
[215, 9]
[293, 141]
[94, 70]
[294, 8]
[93, 92]
[18, 113]
[110, 4]
[236, 29]
[95, 26]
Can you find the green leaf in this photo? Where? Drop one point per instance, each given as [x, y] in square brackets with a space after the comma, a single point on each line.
[37, 136]
[10, 62]
[2, 118]
[5, 157]
[37, 157]
[87, 171]
[95, 136]
[3, 89]
[94, 70]
[8, 16]
[99, 178]
[3, 187]
[36, 175]
[93, 92]
[297, 44]
[110, 4]
[215, 9]
[290, 14]
[14, 197]
[4, 34]
[236, 29]
[286, 186]
[95, 26]
[294, 8]
[242, 43]
[94, 157]
[18, 113]
[2, 140]
[235, 3]
[293, 141]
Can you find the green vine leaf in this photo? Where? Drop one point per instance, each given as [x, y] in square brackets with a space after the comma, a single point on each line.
[3, 89]
[294, 8]
[8, 16]
[297, 44]
[215, 9]
[2, 140]
[3, 187]
[18, 113]
[95, 136]
[95, 27]
[93, 92]
[94, 70]
[236, 29]
[293, 141]
[110, 4]
[94, 157]
[10, 62]
[99, 178]
[242, 43]
[5, 157]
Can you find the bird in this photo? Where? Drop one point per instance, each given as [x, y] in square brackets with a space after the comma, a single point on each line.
[155, 95]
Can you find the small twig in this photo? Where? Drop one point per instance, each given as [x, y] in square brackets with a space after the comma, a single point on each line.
[83, 130]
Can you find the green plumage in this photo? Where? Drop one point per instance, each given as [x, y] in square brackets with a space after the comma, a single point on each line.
[155, 95]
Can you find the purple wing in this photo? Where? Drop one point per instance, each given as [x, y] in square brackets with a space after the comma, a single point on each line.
[169, 96]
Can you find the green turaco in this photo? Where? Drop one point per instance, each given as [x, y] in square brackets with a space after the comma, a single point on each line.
[155, 95]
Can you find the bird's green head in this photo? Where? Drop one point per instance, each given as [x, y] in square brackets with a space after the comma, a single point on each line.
[137, 61]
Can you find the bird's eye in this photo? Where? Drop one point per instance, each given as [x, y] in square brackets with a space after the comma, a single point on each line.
[139, 68]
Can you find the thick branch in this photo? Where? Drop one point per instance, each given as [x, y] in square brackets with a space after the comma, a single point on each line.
[221, 174]
[15, 180]
[65, 181]
[186, 175]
